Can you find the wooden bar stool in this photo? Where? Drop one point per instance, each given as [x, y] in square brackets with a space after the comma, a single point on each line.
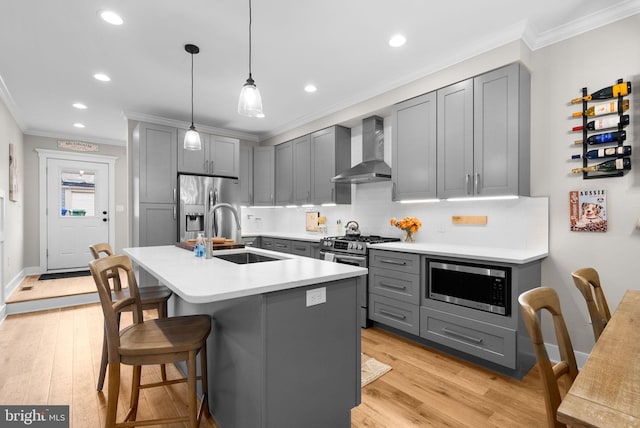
[163, 340]
[532, 302]
[588, 282]
[151, 297]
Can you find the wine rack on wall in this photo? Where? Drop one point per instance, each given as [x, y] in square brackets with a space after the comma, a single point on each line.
[620, 158]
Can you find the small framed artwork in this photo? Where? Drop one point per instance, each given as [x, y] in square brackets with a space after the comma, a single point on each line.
[13, 174]
[588, 210]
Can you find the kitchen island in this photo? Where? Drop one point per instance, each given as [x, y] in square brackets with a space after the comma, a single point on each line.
[285, 343]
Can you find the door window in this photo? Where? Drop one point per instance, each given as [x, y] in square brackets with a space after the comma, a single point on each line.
[77, 193]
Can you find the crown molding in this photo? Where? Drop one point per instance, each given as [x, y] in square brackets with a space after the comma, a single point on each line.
[8, 101]
[589, 22]
[142, 117]
[85, 138]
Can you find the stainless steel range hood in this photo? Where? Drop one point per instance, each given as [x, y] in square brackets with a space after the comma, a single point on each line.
[372, 168]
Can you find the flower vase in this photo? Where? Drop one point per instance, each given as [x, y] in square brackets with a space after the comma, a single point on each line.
[408, 236]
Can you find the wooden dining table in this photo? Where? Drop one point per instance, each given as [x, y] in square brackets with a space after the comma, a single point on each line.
[606, 392]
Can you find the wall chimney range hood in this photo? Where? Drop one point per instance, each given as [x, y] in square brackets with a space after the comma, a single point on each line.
[372, 168]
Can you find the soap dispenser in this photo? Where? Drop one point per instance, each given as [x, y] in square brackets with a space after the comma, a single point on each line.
[198, 250]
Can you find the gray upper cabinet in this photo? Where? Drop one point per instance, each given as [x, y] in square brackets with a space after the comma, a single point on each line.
[330, 155]
[219, 156]
[501, 132]
[302, 170]
[455, 140]
[246, 175]
[154, 163]
[284, 173]
[263, 175]
[414, 148]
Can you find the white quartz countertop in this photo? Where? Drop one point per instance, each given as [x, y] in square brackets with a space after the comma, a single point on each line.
[200, 280]
[300, 236]
[504, 255]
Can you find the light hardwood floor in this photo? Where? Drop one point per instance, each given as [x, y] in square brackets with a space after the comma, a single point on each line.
[52, 357]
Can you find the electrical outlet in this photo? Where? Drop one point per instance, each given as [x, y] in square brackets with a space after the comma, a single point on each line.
[316, 296]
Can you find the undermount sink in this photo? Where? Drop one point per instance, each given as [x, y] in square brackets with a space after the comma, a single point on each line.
[245, 257]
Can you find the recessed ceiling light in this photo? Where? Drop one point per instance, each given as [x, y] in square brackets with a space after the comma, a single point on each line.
[78, 125]
[111, 17]
[102, 77]
[310, 88]
[80, 106]
[397, 41]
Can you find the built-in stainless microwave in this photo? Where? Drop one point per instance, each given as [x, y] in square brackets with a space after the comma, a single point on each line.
[483, 287]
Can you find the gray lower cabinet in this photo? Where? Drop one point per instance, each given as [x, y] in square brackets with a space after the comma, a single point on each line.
[291, 246]
[394, 289]
[414, 148]
[301, 248]
[219, 156]
[284, 173]
[330, 155]
[246, 175]
[264, 176]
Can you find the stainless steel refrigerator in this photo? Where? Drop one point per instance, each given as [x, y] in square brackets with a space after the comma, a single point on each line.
[197, 194]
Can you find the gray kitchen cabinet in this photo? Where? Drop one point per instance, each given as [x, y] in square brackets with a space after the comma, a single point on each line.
[263, 176]
[455, 140]
[284, 173]
[414, 148]
[154, 163]
[501, 132]
[246, 175]
[291, 246]
[219, 156]
[301, 248]
[301, 170]
[394, 289]
[330, 155]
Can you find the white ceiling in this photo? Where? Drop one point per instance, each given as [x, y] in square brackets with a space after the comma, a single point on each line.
[49, 51]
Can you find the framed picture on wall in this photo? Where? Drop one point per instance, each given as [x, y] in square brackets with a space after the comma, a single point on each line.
[13, 174]
[588, 210]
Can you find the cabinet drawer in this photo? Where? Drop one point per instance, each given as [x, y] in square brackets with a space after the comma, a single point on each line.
[487, 341]
[301, 248]
[401, 315]
[402, 262]
[282, 245]
[396, 285]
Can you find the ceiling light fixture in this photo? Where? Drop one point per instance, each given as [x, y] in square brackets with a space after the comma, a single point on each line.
[397, 41]
[250, 102]
[310, 88]
[102, 77]
[78, 125]
[111, 17]
[192, 138]
[79, 106]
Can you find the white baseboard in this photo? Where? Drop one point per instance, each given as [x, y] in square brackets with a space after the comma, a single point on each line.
[13, 284]
[554, 355]
[52, 303]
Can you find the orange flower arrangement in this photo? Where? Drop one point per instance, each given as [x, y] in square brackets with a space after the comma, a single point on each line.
[408, 224]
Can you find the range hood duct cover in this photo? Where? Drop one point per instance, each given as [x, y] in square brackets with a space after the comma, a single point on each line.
[372, 168]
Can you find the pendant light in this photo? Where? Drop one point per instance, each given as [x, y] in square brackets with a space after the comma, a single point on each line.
[192, 138]
[250, 102]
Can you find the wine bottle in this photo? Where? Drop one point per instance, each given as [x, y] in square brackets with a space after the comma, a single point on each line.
[607, 152]
[607, 166]
[602, 108]
[606, 137]
[607, 122]
[621, 89]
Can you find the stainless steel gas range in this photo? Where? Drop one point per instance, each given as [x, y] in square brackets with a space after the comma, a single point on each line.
[352, 250]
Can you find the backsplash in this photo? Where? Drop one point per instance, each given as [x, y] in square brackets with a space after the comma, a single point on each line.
[521, 223]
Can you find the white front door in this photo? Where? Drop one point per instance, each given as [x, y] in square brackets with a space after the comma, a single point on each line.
[77, 211]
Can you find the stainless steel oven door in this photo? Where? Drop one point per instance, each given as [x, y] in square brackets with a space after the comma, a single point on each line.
[360, 261]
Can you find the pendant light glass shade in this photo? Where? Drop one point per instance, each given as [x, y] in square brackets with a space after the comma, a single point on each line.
[192, 138]
[250, 102]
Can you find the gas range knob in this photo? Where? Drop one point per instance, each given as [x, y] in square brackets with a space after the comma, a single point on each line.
[360, 247]
[351, 245]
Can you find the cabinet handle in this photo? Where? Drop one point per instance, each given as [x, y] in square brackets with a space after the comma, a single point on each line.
[467, 179]
[205, 165]
[281, 246]
[461, 335]
[174, 195]
[476, 183]
[300, 248]
[393, 314]
[272, 200]
[333, 193]
[211, 167]
[393, 262]
[396, 286]
[393, 191]
[174, 212]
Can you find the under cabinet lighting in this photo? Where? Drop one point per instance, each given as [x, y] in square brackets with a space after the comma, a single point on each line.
[483, 198]
[328, 205]
[417, 201]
